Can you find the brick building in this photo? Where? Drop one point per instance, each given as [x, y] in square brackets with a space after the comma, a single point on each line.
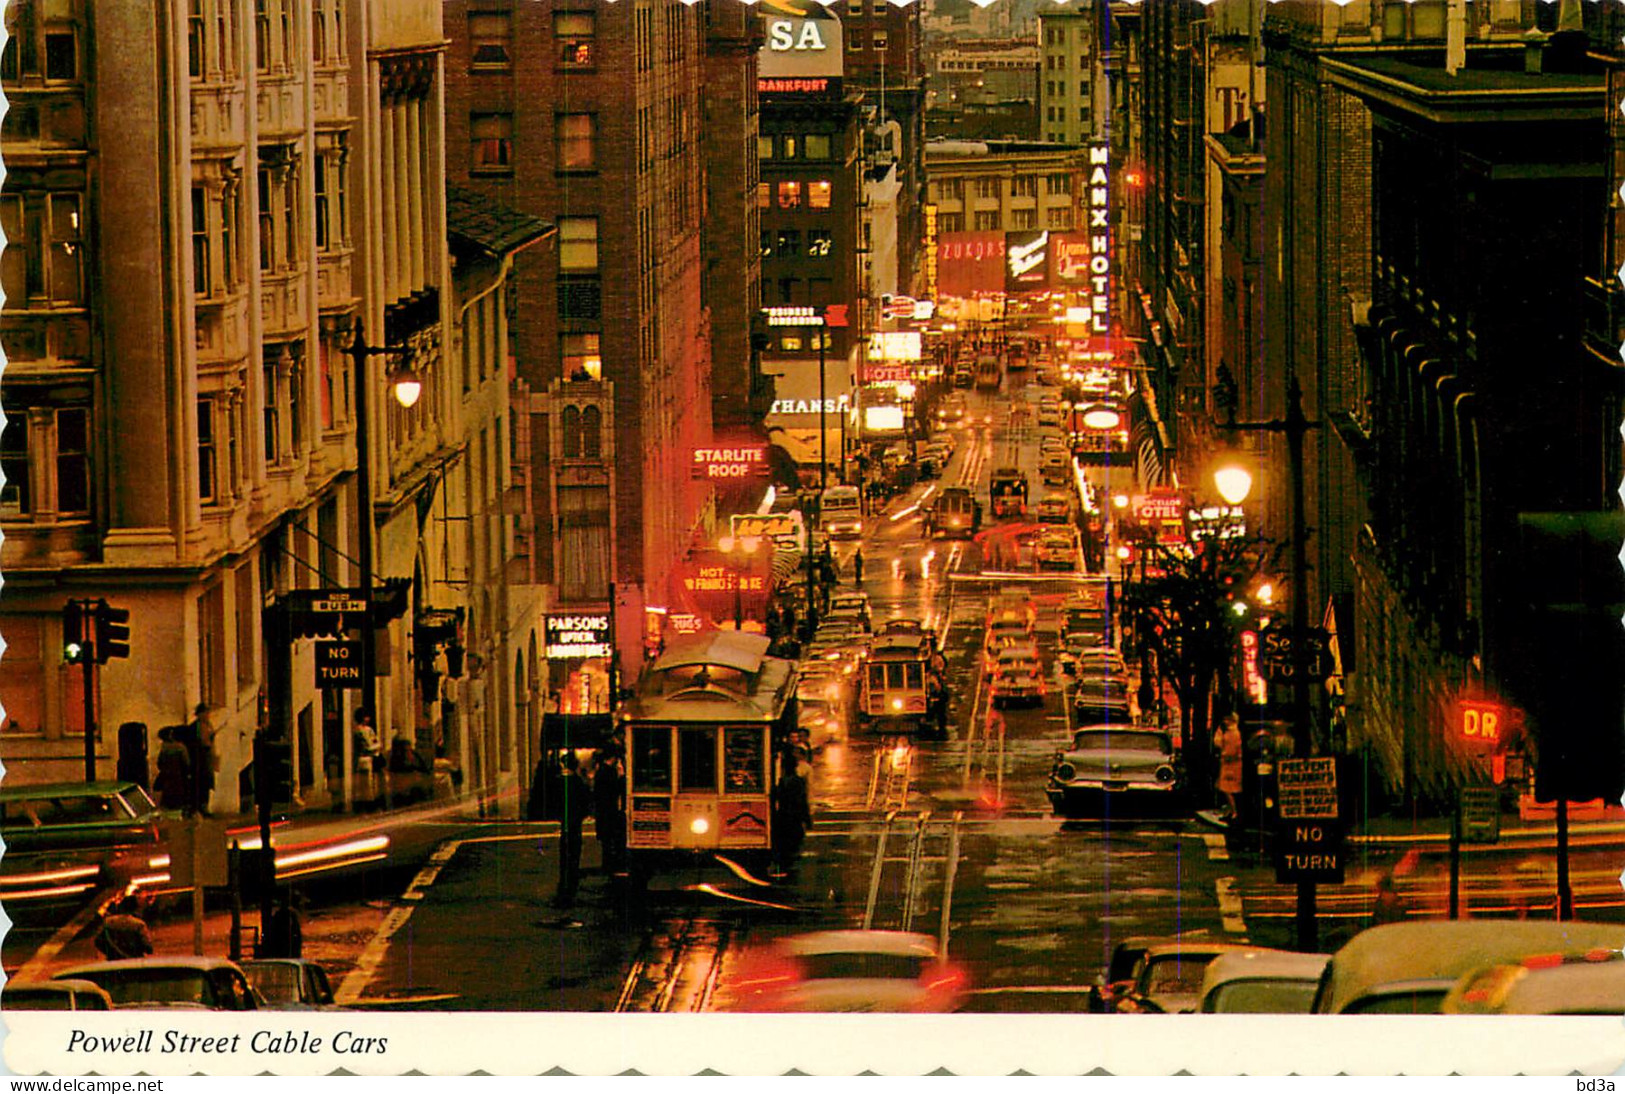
[590, 117]
[1484, 570]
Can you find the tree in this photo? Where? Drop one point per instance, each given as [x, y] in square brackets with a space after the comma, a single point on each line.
[1186, 615]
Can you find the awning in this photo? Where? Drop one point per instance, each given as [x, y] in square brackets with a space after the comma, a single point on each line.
[571, 731]
[1148, 461]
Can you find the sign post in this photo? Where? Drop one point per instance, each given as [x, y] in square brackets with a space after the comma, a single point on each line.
[1310, 845]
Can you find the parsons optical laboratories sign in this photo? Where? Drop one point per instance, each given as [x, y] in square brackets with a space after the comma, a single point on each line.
[575, 636]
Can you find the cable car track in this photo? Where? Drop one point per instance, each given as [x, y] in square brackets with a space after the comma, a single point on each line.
[931, 840]
[678, 966]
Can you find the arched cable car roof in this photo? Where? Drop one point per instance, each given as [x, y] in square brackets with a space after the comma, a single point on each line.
[729, 649]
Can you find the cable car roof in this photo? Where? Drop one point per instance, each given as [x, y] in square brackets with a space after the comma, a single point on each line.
[730, 649]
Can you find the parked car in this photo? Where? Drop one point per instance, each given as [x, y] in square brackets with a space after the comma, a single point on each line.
[54, 995]
[1093, 661]
[1262, 981]
[1054, 509]
[852, 971]
[1410, 968]
[290, 984]
[1108, 763]
[187, 983]
[852, 606]
[1168, 978]
[1018, 676]
[1002, 635]
[1049, 414]
[1055, 468]
[1579, 983]
[1058, 550]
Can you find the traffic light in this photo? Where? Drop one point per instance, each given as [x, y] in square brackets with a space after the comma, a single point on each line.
[74, 638]
[276, 776]
[112, 632]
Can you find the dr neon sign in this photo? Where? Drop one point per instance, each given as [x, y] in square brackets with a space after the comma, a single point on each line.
[1100, 239]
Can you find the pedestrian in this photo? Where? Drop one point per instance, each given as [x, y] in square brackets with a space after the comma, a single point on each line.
[1227, 743]
[124, 934]
[208, 760]
[938, 703]
[857, 567]
[575, 805]
[792, 811]
[609, 808]
[543, 782]
[285, 931]
[1389, 907]
[174, 781]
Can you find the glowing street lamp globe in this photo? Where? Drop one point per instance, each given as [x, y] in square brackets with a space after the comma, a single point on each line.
[407, 387]
[1234, 482]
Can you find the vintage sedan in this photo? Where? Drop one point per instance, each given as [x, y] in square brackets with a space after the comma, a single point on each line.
[181, 983]
[1107, 763]
[1018, 676]
[1262, 981]
[849, 971]
[290, 984]
[1169, 976]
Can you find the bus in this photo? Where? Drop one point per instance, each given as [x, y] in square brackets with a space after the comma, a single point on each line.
[988, 373]
[707, 734]
[841, 512]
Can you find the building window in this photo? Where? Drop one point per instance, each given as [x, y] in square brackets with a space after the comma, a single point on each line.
[791, 343]
[287, 42]
[764, 195]
[764, 148]
[1023, 218]
[818, 194]
[791, 145]
[575, 142]
[789, 195]
[267, 223]
[490, 38]
[1083, 114]
[584, 543]
[196, 38]
[223, 38]
[1024, 186]
[200, 241]
[1059, 217]
[42, 259]
[789, 243]
[208, 476]
[767, 244]
[854, 7]
[578, 244]
[296, 404]
[73, 461]
[987, 188]
[262, 35]
[880, 40]
[987, 221]
[1058, 184]
[15, 494]
[211, 645]
[581, 356]
[816, 146]
[243, 580]
[575, 34]
[228, 236]
[491, 138]
[854, 43]
[818, 243]
[332, 205]
[272, 418]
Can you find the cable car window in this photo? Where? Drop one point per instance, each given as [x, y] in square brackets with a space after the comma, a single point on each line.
[697, 759]
[877, 676]
[912, 675]
[743, 748]
[651, 758]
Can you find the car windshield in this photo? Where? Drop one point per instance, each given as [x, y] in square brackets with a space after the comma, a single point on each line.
[1176, 974]
[132, 987]
[1418, 1001]
[1263, 997]
[863, 966]
[277, 983]
[1124, 740]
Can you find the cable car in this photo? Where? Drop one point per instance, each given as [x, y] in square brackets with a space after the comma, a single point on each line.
[895, 693]
[705, 734]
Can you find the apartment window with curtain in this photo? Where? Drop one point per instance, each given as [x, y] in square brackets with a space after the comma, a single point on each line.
[200, 242]
[580, 356]
[584, 543]
[575, 141]
[42, 261]
[490, 37]
[491, 137]
[578, 244]
[819, 194]
[575, 36]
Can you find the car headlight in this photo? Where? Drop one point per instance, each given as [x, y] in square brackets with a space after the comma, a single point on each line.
[1064, 772]
[1165, 774]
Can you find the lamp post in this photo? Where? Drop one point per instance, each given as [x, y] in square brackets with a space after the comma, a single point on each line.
[1234, 483]
[407, 388]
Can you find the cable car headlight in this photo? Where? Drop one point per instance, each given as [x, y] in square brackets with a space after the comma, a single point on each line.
[699, 826]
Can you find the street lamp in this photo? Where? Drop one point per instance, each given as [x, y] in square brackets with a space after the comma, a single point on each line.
[1234, 482]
